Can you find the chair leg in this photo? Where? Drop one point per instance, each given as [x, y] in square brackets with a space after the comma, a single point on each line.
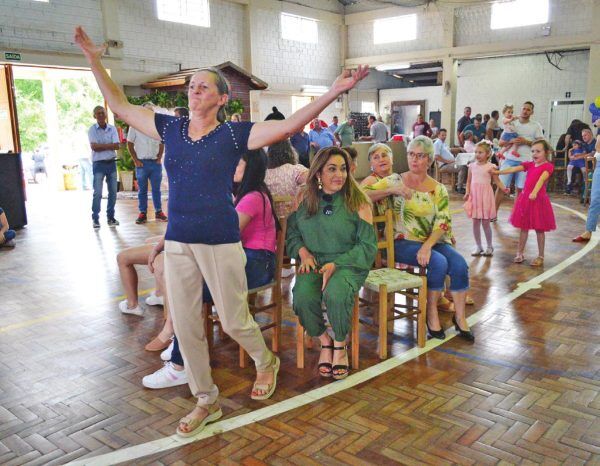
[422, 317]
[383, 321]
[355, 342]
[299, 345]
[277, 318]
[243, 358]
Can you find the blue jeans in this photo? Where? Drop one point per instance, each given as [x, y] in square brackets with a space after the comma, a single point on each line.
[445, 260]
[103, 170]
[9, 234]
[594, 212]
[151, 170]
[85, 170]
[260, 270]
[519, 177]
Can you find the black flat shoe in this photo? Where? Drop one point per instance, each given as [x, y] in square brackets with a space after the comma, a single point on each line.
[465, 334]
[439, 334]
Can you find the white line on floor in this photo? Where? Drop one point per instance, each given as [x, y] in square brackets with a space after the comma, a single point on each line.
[164, 444]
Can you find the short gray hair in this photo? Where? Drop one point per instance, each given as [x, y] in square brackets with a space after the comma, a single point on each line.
[425, 143]
[380, 145]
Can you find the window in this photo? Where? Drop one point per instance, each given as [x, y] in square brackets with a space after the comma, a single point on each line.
[367, 107]
[194, 12]
[519, 13]
[299, 28]
[397, 29]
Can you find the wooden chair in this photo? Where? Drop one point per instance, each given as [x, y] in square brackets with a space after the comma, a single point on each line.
[590, 166]
[274, 306]
[439, 175]
[388, 281]
[279, 201]
[302, 340]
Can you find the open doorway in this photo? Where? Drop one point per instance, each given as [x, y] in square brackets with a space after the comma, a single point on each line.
[404, 115]
[54, 108]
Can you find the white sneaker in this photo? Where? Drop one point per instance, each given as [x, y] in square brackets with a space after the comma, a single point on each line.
[154, 300]
[165, 377]
[136, 311]
[166, 354]
[285, 273]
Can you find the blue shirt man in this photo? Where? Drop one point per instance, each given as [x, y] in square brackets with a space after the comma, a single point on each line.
[104, 141]
[301, 143]
[320, 138]
[334, 125]
[477, 129]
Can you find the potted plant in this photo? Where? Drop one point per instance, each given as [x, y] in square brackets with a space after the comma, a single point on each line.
[125, 167]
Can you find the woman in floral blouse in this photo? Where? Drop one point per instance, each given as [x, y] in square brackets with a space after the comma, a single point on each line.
[424, 236]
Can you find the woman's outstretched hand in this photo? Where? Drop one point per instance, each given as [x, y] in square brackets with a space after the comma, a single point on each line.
[350, 78]
[91, 51]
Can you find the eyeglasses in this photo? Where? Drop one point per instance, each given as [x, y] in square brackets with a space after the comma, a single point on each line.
[328, 209]
[419, 155]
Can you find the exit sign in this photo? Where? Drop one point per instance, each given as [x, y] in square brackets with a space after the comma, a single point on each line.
[14, 56]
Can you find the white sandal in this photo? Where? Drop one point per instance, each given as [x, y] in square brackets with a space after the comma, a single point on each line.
[197, 425]
[269, 389]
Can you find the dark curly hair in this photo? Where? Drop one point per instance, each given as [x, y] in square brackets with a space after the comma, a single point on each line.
[281, 153]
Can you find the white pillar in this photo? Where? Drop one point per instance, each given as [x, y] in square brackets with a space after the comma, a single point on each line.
[449, 83]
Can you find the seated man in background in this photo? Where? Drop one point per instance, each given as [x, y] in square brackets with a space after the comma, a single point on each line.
[477, 129]
[445, 158]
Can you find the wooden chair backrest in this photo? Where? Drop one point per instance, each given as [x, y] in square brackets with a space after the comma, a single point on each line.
[280, 249]
[385, 237]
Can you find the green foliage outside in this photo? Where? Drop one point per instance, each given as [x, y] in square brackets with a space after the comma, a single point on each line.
[30, 110]
[125, 161]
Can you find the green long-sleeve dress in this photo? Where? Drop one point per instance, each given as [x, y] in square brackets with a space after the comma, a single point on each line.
[342, 238]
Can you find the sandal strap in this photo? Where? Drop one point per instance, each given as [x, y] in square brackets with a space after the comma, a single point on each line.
[340, 347]
[326, 346]
[265, 387]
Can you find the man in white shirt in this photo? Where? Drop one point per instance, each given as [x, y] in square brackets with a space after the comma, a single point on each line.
[445, 160]
[147, 155]
[528, 131]
[377, 131]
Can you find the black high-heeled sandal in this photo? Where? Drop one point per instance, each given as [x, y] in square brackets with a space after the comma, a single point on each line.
[326, 365]
[465, 334]
[344, 368]
[439, 334]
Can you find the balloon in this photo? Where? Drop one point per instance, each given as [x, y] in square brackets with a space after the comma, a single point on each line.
[595, 111]
[597, 102]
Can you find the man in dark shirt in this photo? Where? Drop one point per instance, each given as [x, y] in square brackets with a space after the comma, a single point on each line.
[477, 129]
[301, 143]
[462, 123]
[421, 127]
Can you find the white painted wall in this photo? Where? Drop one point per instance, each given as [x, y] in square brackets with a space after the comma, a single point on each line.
[47, 26]
[155, 46]
[431, 94]
[488, 84]
[430, 35]
[566, 17]
[286, 64]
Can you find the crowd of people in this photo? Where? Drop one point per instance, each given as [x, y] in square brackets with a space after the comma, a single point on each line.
[223, 220]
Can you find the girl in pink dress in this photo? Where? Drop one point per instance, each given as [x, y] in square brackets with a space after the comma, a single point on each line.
[480, 205]
[532, 210]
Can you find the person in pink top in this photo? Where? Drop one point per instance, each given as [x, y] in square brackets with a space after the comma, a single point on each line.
[532, 209]
[479, 197]
[285, 176]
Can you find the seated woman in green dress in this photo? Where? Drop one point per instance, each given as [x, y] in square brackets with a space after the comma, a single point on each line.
[331, 233]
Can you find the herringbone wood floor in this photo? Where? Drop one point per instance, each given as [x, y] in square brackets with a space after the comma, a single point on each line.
[527, 392]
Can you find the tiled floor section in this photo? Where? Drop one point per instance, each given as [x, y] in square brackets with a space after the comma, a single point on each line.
[70, 365]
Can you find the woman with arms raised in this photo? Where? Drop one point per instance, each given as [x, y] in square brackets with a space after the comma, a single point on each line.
[202, 242]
